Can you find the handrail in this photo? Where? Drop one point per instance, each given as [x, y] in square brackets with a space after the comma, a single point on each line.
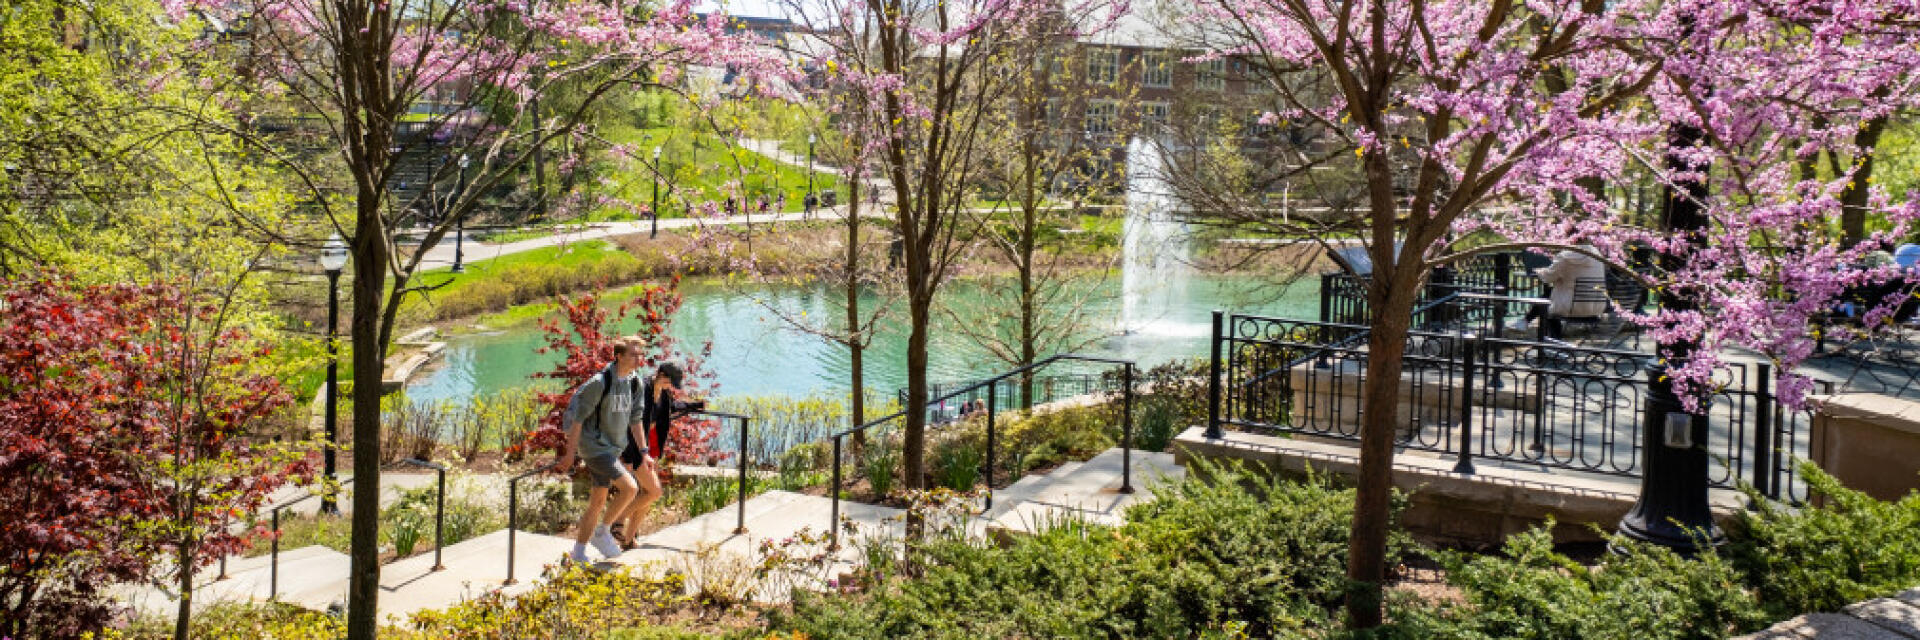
[513, 489]
[740, 523]
[513, 513]
[1126, 432]
[439, 508]
[273, 562]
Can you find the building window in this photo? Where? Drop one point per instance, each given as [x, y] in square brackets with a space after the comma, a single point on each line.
[1053, 113]
[1100, 116]
[1156, 114]
[1213, 75]
[1155, 70]
[1103, 66]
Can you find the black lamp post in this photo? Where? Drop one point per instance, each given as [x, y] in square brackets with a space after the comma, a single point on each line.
[460, 222]
[655, 210]
[1672, 510]
[333, 258]
[809, 164]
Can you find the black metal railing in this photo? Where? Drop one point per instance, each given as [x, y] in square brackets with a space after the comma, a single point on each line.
[740, 524]
[513, 514]
[1045, 389]
[988, 387]
[273, 560]
[1535, 403]
[439, 507]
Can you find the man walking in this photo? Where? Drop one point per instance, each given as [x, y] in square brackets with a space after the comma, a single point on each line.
[603, 416]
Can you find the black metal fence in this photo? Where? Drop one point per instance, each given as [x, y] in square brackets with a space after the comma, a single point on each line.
[1523, 402]
[1007, 393]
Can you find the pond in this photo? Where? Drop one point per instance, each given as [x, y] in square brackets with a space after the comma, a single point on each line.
[1152, 308]
[756, 353]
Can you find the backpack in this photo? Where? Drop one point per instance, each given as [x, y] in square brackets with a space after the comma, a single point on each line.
[606, 382]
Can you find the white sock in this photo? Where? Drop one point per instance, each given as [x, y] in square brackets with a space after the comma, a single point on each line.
[579, 548]
[602, 530]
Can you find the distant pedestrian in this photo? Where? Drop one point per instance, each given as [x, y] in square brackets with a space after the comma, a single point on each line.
[807, 204]
[783, 201]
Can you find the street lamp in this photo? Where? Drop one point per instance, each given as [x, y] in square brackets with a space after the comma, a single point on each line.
[809, 164]
[1672, 509]
[655, 210]
[333, 258]
[460, 222]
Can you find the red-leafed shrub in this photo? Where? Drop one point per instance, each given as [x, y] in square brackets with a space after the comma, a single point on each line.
[587, 336]
[125, 416]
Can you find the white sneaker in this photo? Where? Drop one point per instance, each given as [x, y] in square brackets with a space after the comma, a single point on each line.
[579, 554]
[604, 542]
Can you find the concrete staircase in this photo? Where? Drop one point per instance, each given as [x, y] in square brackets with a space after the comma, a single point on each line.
[700, 549]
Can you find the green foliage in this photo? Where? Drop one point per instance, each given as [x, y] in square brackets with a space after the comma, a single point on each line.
[239, 621]
[520, 278]
[576, 601]
[956, 465]
[881, 462]
[1644, 591]
[1849, 548]
[1173, 396]
[1266, 555]
[707, 495]
[407, 522]
[547, 506]
[698, 164]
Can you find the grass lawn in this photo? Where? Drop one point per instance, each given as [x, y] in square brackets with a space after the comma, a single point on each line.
[701, 161]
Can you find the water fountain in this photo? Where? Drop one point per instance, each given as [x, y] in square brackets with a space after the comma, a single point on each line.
[1155, 266]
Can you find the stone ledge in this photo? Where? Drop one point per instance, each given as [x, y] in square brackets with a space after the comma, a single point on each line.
[1886, 412]
[1892, 618]
[1479, 509]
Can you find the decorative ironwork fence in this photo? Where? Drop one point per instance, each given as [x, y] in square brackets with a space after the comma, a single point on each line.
[1529, 403]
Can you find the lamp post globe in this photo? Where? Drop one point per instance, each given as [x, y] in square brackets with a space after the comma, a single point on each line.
[333, 258]
[460, 222]
[654, 211]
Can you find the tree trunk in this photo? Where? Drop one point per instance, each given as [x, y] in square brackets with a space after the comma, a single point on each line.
[858, 403]
[183, 618]
[1366, 547]
[1853, 200]
[369, 359]
[919, 308]
[1028, 350]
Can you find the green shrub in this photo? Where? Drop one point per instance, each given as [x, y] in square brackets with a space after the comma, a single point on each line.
[956, 465]
[467, 514]
[1850, 548]
[880, 464]
[1268, 555]
[548, 506]
[1642, 592]
[576, 601]
[238, 621]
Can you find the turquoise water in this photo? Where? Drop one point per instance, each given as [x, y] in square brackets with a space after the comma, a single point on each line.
[755, 353]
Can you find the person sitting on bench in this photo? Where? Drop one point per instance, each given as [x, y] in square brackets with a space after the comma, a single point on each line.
[1567, 280]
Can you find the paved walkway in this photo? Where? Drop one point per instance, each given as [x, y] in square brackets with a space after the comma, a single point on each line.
[442, 254]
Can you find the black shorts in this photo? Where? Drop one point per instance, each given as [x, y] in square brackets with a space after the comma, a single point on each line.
[633, 455]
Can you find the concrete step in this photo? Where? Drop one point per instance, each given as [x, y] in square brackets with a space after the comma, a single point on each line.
[1064, 469]
[1090, 492]
[472, 568]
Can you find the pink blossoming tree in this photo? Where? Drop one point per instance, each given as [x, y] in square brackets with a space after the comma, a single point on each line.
[1507, 119]
[358, 68]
